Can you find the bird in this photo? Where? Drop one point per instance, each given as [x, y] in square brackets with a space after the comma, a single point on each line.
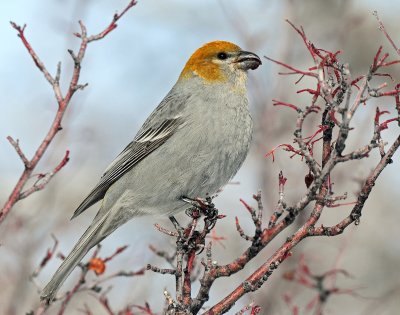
[189, 147]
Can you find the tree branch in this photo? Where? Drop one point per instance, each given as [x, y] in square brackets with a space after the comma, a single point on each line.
[63, 103]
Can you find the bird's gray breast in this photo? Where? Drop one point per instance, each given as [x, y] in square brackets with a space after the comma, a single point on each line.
[218, 136]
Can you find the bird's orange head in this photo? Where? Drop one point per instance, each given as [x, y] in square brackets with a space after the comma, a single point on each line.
[219, 61]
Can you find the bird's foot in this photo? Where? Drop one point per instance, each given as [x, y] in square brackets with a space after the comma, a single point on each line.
[204, 207]
[200, 206]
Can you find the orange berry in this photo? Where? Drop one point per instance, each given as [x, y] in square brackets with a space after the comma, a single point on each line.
[97, 265]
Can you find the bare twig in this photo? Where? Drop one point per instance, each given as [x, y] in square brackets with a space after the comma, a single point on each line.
[383, 29]
[337, 96]
[95, 263]
[62, 101]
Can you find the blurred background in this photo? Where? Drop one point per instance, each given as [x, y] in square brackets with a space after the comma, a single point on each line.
[129, 73]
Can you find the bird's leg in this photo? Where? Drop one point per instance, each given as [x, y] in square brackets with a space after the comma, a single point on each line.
[211, 212]
[192, 202]
[200, 207]
[194, 211]
[204, 206]
[177, 226]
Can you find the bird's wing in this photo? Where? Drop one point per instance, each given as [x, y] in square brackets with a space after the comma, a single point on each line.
[149, 138]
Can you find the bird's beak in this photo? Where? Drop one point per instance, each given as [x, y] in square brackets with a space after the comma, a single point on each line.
[247, 60]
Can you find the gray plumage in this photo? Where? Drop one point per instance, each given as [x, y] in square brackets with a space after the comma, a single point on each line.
[192, 144]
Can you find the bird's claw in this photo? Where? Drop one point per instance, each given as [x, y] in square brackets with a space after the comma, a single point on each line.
[200, 206]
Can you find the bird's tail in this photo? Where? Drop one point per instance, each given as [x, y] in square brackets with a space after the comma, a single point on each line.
[85, 243]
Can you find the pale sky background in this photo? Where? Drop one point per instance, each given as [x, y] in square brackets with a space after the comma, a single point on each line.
[129, 73]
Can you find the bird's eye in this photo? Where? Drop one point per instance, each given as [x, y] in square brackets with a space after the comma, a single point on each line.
[222, 56]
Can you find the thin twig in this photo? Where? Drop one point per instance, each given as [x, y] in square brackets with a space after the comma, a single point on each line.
[63, 103]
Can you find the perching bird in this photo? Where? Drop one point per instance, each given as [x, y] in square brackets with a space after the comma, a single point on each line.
[192, 144]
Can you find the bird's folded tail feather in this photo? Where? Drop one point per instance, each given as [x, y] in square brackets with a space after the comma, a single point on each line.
[85, 243]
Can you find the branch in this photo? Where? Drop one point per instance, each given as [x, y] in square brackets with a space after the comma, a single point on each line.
[334, 89]
[18, 149]
[44, 179]
[383, 29]
[94, 263]
[337, 96]
[63, 103]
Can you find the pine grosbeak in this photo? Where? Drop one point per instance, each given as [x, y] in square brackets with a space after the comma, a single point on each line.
[192, 144]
